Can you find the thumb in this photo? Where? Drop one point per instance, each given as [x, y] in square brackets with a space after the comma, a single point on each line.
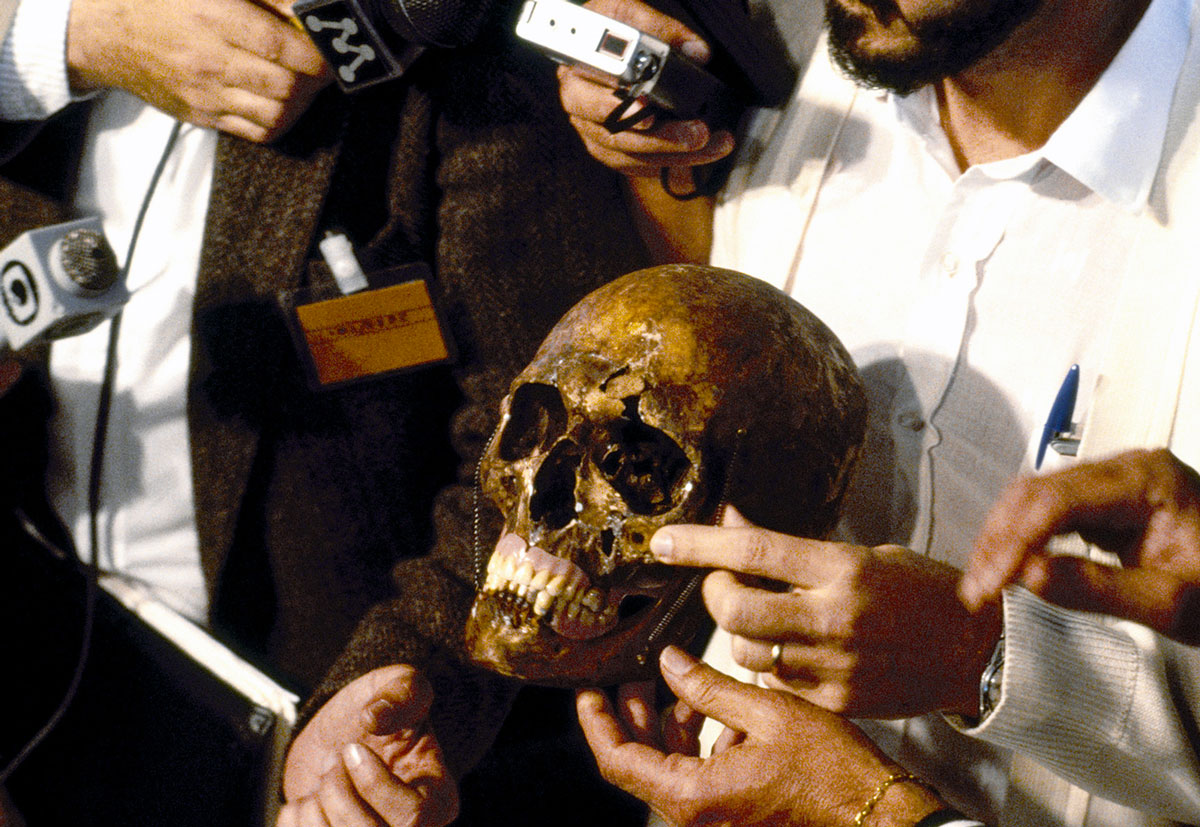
[381, 702]
[740, 706]
[399, 698]
[651, 21]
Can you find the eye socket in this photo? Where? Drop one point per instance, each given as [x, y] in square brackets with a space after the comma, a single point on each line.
[553, 501]
[642, 463]
[536, 417]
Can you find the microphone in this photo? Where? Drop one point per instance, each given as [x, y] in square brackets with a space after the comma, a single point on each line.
[58, 281]
[445, 23]
[371, 41]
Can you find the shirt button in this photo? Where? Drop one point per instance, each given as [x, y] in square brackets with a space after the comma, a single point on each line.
[911, 420]
[950, 264]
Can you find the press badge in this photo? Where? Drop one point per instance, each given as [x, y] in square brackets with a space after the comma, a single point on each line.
[371, 332]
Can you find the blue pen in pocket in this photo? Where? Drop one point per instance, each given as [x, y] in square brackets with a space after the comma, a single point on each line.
[1058, 425]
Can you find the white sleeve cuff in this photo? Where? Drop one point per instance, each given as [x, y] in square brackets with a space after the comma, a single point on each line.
[1083, 695]
[33, 62]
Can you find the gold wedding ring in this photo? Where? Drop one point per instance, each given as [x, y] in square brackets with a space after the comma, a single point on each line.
[776, 655]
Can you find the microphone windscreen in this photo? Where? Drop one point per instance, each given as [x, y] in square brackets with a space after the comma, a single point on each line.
[446, 23]
[88, 260]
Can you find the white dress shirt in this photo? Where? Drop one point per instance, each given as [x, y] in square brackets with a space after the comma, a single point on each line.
[964, 299]
[147, 526]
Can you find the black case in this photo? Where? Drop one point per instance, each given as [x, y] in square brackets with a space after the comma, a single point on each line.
[151, 738]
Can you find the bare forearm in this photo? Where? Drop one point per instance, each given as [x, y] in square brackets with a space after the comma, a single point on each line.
[674, 230]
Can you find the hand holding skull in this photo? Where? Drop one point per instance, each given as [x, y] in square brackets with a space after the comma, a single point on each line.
[369, 757]
[787, 762]
[867, 632]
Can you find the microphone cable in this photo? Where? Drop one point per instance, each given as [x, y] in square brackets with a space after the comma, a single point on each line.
[95, 478]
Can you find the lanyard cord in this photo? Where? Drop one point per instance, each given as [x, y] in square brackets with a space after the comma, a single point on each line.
[95, 476]
[104, 403]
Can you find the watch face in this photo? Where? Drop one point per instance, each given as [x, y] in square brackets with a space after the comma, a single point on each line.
[991, 680]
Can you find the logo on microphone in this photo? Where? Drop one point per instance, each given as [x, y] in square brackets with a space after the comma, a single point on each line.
[342, 45]
[19, 290]
[342, 30]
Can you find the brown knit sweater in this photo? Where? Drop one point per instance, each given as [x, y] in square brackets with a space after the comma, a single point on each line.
[314, 507]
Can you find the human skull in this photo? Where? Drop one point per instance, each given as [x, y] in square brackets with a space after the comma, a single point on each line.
[657, 398]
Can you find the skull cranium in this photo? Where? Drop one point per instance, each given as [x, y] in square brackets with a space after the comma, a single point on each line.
[655, 400]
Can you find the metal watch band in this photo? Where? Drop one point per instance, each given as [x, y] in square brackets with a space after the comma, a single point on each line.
[990, 681]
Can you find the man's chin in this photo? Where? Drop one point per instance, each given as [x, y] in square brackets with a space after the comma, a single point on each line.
[878, 48]
[873, 55]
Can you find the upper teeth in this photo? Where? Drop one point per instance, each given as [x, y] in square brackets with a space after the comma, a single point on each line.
[550, 584]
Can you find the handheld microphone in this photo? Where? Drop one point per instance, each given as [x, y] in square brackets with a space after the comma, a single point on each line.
[57, 281]
[371, 41]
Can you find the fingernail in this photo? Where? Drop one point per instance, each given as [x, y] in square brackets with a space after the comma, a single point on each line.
[970, 592]
[697, 50]
[967, 589]
[354, 755]
[675, 660]
[662, 545]
[589, 698]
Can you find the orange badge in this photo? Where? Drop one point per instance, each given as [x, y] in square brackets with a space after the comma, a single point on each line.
[372, 332]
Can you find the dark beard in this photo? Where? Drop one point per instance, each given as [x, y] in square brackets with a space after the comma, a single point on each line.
[943, 46]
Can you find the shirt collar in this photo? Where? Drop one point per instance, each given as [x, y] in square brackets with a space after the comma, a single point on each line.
[1113, 140]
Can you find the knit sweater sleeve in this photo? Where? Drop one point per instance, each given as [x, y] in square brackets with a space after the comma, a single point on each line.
[1106, 704]
[423, 624]
[33, 62]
